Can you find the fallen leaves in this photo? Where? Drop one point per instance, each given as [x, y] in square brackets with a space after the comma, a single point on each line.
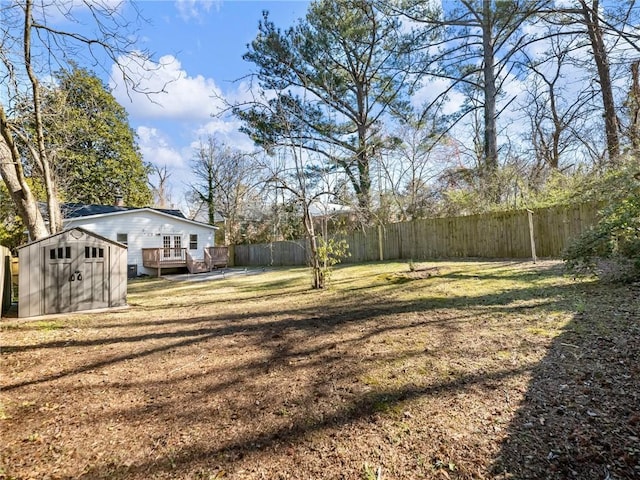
[474, 370]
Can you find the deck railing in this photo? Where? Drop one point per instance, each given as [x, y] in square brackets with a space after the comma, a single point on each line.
[190, 262]
[218, 257]
[164, 257]
[214, 257]
[207, 259]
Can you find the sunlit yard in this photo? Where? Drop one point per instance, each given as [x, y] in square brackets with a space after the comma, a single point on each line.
[448, 370]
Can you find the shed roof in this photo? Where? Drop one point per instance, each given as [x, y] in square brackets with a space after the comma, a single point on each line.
[68, 230]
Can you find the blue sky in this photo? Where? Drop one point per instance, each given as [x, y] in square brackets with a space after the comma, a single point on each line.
[198, 48]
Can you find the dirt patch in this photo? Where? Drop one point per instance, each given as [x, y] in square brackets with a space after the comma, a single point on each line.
[419, 273]
[475, 370]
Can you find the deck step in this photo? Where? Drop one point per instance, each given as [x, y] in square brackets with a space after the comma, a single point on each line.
[198, 267]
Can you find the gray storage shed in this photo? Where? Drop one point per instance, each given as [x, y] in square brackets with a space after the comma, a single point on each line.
[71, 271]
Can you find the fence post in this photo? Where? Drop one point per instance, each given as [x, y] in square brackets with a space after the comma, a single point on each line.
[232, 255]
[531, 235]
[380, 244]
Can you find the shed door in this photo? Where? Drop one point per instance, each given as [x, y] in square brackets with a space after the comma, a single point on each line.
[93, 287]
[58, 272]
[76, 278]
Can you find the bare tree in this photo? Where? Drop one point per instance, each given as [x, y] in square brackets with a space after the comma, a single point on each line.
[420, 155]
[288, 172]
[161, 194]
[556, 116]
[224, 182]
[32, 48]
[605, 29]
[588, 14]
[299, 174]
[474, 45]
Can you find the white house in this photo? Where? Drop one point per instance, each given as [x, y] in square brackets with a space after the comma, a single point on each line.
[156, 238]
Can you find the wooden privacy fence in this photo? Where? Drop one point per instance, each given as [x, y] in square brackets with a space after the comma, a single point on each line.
[290, 253]
[491, 235]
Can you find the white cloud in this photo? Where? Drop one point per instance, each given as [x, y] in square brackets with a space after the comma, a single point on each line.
[156, 148]
[247, 91]
[226, 130]
[194, 9]
[174, 121]
[432, 89]
[164, 90]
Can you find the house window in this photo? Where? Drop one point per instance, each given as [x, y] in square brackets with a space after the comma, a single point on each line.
[122, 238]
[193, 241]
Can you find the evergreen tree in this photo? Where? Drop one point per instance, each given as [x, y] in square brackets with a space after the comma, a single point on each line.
[330, 82]
[97, 156]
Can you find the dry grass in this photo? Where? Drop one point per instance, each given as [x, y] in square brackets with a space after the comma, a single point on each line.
[454, 370]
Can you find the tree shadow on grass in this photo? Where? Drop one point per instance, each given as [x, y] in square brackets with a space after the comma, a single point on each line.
[306, 318]
[581, 415]
[326, 370]
[362, 408]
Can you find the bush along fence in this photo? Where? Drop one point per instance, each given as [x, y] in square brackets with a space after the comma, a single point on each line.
[544, 232]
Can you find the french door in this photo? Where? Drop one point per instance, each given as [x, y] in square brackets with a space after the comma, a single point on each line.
[172, 246]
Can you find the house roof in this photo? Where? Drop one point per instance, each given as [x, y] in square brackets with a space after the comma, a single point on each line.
[71, 212]
[328, 209]
[75, 210]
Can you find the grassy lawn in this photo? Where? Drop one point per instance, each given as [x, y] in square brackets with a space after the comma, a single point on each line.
[453, 370]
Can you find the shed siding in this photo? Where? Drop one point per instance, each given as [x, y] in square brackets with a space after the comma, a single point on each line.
[35, 299]
[29, 283]
[118, 275]
[145, 229]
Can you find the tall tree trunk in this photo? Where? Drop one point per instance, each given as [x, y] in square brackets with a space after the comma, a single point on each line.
[316, 263]
[42, 157]
[211, 210]
[633, 104]
[590, 14]
[364, 185]
[554, 157]
[489, 77]
[363, 154]
[13, 177]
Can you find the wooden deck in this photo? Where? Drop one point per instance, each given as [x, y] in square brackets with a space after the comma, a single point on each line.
[214, 257]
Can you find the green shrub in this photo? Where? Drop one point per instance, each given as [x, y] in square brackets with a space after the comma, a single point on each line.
[611, 249]
[330, 252]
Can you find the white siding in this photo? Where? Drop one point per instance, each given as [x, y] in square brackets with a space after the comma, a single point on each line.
[145, 229]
